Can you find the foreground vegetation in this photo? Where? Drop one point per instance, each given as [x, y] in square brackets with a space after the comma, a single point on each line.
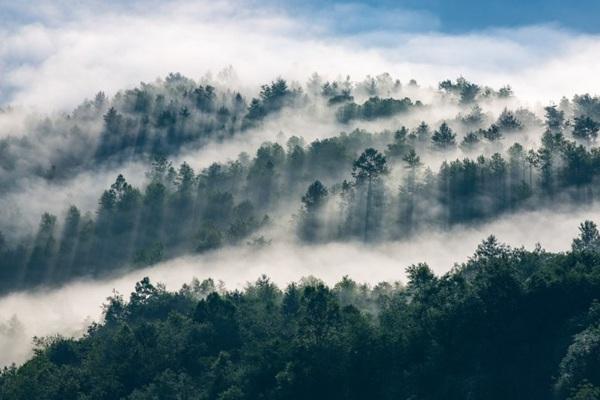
[507, 324]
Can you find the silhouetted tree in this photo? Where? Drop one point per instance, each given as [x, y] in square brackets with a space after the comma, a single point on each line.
[443, 138]
[368, 167]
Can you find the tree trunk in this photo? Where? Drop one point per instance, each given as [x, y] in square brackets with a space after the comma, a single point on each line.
[531, 177]
[368, 210]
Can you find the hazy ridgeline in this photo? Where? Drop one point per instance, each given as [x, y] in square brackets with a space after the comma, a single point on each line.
[327, 180]
[188, 212]
[460, 154]
[508, 323]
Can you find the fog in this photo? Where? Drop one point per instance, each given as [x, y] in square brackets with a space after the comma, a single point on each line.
[69, 309]
[20, 210]
[49, 66]
[27, 195]
[67, 50]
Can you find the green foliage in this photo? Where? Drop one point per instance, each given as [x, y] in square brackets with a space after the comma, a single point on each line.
[465, 90]
[589, 238]
[475, 117]
[313, 202]
[369, 165]
[470, 142]
[475, 331]
[492, 134]
[150, 255]
[555, 118]
[273, 97]
[444, 138]
[208, 238]
[508, 122]
[508, 323]
[315, 196]
[178, 210]
[412, 160]
[374, 108]
[586, 128]
[400, 146]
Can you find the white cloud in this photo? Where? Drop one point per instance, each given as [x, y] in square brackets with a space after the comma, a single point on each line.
[62, 59]
[69, 309]
[71, 52]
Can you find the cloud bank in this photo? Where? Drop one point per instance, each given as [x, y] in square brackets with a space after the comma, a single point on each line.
[70, 309]
[64, 52]
[54, 54]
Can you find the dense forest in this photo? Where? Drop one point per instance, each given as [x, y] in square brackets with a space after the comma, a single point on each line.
[361, 184]
[373, 162]
[507, 324]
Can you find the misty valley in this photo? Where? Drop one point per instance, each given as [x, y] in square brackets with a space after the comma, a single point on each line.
[333, 239]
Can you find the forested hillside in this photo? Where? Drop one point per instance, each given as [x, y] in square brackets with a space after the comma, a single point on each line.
[508, 323]
[299, 199]
[381, 162]
[387, 169]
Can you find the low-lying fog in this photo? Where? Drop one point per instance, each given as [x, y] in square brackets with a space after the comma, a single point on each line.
[70, 309]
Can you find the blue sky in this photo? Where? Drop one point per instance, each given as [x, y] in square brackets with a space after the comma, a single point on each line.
[460, 16]
[447, 16]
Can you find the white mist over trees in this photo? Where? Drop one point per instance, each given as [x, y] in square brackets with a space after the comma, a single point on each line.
[385, 170]
[266, 232]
